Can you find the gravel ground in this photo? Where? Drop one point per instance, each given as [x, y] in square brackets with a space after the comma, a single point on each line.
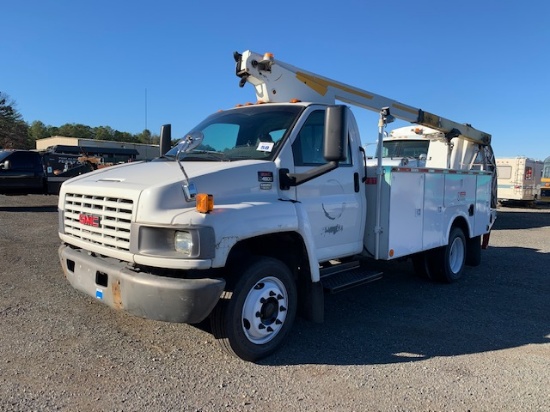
[399, 344]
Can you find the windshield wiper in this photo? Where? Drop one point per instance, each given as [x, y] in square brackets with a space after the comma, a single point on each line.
[206, 155]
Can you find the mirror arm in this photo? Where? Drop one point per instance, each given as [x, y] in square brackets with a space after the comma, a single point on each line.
[288, 180]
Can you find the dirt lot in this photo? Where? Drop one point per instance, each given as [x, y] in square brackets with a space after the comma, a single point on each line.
[399, 344]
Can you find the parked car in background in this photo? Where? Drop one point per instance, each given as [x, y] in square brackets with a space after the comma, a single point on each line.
[24, 172]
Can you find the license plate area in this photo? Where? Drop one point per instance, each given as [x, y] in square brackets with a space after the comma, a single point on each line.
[101, 279]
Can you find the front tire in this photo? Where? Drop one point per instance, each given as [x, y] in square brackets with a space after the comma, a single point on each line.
[252, 319]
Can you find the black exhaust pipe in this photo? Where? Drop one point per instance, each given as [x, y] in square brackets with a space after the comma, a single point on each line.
[165, 138]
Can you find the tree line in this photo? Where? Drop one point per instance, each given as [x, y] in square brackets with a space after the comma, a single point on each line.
[15, 133]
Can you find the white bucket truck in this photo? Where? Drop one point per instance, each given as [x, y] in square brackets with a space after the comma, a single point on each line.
[261, 209]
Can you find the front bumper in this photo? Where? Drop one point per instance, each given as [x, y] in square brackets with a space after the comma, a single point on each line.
[139, 293]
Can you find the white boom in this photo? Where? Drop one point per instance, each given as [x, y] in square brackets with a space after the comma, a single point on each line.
[276, 81]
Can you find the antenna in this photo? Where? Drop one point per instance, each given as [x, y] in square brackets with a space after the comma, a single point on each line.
[146, 108]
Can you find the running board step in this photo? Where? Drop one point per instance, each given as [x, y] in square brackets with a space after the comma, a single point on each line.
[335, 281]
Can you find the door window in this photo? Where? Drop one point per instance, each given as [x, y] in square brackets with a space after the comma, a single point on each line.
[308, 148]
[22, 161]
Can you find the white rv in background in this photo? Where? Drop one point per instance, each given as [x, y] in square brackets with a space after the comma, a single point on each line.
[519, 179]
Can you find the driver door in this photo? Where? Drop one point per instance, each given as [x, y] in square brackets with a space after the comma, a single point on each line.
[335, 201]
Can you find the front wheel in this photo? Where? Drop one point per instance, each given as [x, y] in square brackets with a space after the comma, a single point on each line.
[252, 319]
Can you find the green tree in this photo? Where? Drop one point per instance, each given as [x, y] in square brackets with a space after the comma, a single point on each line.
[13, 130]
[104, 133]
[124, 137]
[53, 130]
[38, 130]
[144, 137]
[76, 130]
[155, 139]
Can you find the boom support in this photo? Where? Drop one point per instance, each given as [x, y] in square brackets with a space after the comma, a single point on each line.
[276, 81]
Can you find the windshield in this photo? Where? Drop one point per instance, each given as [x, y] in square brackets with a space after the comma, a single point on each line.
[405, 148]
[4, 154]
[253, 132]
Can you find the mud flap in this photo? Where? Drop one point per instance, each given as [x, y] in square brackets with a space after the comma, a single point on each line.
[485, 241]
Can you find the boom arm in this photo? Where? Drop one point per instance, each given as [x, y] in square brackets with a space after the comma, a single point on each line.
[276, 81]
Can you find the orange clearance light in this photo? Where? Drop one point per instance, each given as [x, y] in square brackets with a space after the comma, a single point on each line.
[268, 57]
[295, 100]
[391, 252]
[418, 130]
[205, 202]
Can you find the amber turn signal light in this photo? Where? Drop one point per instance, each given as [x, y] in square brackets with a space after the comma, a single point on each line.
[205, 202]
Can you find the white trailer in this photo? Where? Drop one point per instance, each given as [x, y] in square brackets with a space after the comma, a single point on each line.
[519, 179]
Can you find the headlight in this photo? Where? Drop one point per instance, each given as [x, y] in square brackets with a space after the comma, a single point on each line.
[183, 242]
[197, 242]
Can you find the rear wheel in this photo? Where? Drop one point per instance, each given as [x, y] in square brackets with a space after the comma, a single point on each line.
[448, 261]
[252, 320]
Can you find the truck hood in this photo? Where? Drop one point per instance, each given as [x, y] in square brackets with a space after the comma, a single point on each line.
[157, 186]
[141, 175]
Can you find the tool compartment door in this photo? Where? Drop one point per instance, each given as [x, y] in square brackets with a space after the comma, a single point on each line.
[434, 234]
[483, 215]
[406, 214]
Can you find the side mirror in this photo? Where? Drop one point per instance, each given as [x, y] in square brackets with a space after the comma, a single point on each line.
[190, 142]
[336, 133]
[165, 138]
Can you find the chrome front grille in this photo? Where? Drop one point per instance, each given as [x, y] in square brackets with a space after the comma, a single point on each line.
[99, 220]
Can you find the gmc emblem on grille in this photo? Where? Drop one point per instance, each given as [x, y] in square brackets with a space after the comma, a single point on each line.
[88, 220]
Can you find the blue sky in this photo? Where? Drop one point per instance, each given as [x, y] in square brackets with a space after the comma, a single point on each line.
[484, 62]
